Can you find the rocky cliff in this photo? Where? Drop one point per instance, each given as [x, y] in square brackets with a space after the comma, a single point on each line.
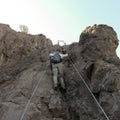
[26, 86]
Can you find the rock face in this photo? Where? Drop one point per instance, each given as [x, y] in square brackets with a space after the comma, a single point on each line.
[99, 66]
[15, 46]
[26, 86]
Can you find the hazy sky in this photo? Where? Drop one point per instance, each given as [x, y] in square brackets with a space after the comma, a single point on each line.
[60, 19]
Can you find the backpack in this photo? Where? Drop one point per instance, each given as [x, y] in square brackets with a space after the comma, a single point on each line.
[56, 58]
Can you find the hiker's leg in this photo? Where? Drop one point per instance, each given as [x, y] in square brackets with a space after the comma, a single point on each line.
[61, 79]
[55, 76]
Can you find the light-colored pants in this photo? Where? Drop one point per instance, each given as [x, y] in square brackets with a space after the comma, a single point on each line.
[57, 70]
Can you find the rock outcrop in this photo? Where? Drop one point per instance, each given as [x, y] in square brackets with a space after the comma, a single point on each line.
[26, 86]
[16, 46]
[95, 58]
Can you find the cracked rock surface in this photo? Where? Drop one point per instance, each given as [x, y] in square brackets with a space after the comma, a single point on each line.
[26, 86]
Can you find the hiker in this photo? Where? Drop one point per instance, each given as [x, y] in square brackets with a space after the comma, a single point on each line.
[56, 59]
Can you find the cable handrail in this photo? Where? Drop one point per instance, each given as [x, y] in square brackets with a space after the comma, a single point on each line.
[89, 90]
[28, 103]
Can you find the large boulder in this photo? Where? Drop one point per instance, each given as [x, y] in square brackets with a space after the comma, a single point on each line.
[95, 62]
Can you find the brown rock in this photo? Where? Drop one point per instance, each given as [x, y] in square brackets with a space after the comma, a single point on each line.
[16, 46]
[25, 77]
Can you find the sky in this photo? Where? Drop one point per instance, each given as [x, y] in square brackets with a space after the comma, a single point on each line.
[60, 19]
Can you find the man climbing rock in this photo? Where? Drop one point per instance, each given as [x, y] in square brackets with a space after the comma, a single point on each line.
[57, 67]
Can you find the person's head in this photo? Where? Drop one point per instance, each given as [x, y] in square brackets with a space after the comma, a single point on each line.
[64, 51]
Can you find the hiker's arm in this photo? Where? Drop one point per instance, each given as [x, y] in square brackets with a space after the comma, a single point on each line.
[63, 56]
[51, 54]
